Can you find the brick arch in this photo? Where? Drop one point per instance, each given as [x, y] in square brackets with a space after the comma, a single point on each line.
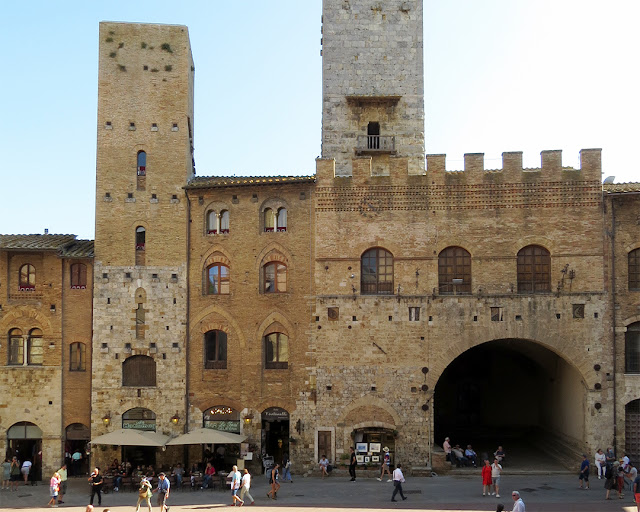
[630, 320]
[525, 241]
[202, 403]
[275, 317]
[631, 246]
[274, 203]
[26, 320]
[451, 243]
[371, 403]
[215, 254]
[274, 252]
[456, 348]
[205, 320]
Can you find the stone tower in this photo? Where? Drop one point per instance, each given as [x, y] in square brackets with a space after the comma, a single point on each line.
[144, 159]
[373, 83]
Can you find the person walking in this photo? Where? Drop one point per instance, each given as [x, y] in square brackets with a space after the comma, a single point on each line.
[584, 471]
[273, 480]
[398, 480]
[486, 478]
[386, 465]
[164, 486]
[144, 494]
[496, 471]
[235, 486]
[610, 478]
[518, 504]
[96, 482]
[352, 464]
[636, 492]
[63, 482]
[54, 489]
[246, 485]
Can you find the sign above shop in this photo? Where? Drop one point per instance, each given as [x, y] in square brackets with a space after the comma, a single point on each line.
[275, 413]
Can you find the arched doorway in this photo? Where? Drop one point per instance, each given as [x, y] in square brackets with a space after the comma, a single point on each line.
[275, 433]
[632, 431]
[509, 392]
[77, 436]
[24, 440]
[139, 418]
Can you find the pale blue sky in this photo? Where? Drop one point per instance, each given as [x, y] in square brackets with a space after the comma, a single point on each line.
[500, 75]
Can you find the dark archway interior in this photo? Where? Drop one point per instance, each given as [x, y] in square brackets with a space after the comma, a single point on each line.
[508, 392]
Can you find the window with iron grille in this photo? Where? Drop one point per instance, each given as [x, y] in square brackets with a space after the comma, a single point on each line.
[376, 272]
[78, 276]
[215, 350]
[534, 270]
[276, 351]
[632, 348]
[454, 271]
[634, 270]
[77, 359]
[139, 371]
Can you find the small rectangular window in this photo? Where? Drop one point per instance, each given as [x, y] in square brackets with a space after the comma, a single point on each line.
[414, 314]
[496, 314]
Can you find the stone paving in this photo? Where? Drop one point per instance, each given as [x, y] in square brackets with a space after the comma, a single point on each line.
[549, 493]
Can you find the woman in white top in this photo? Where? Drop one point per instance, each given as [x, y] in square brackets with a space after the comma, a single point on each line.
[601, 460]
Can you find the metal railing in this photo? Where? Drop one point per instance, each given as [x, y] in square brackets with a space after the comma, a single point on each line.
[376, 144]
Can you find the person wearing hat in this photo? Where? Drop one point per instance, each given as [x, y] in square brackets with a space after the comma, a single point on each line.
[386, 464]
[163, 492]
[144, 494]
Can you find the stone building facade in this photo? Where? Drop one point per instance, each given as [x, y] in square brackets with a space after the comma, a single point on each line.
[383, 301]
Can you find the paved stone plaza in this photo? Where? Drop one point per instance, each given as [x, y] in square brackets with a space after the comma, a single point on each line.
[551, 493]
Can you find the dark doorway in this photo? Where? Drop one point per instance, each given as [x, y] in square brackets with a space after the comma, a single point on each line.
[275, 433]
[25, 442]
[373, 135]
[77, 437]
[632, 431]
[508, 392]
[139, 455]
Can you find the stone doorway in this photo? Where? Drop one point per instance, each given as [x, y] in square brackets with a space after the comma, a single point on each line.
[514, 393]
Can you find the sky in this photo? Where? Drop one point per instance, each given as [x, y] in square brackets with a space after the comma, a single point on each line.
[500, 75]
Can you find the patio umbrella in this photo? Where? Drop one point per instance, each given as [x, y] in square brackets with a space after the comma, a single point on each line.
[207, 436]
[131, 437]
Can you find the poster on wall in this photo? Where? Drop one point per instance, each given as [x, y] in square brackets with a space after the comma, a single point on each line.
[374, 447]
[361, 447]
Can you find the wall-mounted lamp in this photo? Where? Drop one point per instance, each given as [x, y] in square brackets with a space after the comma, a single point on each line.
[106, 419]
[248, 419]
[175, 419]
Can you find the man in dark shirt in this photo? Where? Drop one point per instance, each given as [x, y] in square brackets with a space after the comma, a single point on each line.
[96, 485]
[352, 465]
[584, 471]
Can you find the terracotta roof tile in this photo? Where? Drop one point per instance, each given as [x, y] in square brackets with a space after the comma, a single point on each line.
[620, 188]
[244, 181]
[65, 245]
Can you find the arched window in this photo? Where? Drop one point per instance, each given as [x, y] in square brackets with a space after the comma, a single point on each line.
[454, 271]
[78, 276]
[35, 348]
[224, 222]
[634, 270]
[222, 417]
[276, 351]
[534, 270]
[281, 220]
[142, 163]
[269, 219]
[140, 419]
[275, 277]
[376, 272]
[27, 278]
[217, 279]
[139, 371]
[77, 357]
[212, 222]
[632, 348]
[16, 347]
[215, 350]
[141, 238]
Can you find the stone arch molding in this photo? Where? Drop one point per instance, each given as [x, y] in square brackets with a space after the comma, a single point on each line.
[369, 401]
[274, 252]
[215, 254]
[25, 319]
[274, 203]
[455, 349]
[525, 241]
[205, 319]
[628, 321]
[631, 246]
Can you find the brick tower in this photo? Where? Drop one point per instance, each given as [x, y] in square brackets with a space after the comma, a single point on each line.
[144, 158]
[373, 85]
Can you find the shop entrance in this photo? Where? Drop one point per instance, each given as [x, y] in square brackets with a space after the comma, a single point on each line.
[372, 443]
[275, 433]
[509, 392]
[139, 418]
[25, 443]
[77, 436]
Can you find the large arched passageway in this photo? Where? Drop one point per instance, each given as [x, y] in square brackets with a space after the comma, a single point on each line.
[512, 392]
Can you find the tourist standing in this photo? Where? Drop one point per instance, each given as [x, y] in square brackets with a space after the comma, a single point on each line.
[446, 446]
[398, 480]
[496, 471]
[96, 482]
[63, 482]
[144, 494]
[584, 471]
[286, 468]
[486, 478]
[246, 485]
[54, 489]
[610, 478]
[352, 464]
[6, 474]
[15, 472]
